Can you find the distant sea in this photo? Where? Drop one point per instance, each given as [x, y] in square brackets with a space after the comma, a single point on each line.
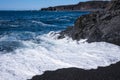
[29, 45]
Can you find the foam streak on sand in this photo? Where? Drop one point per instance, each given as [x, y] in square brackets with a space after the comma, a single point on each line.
[51, 54]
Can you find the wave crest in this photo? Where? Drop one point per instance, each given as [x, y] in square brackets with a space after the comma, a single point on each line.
[41, 23]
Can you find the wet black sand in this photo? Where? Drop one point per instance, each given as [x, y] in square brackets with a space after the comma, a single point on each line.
[111, 72]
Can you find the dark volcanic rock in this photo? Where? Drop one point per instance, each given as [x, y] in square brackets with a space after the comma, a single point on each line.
[103, 73]
[97, 26]
[90, 5]
[115, 5]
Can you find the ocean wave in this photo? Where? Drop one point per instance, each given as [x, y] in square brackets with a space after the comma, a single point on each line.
[41, 23]
[63, 18]
[4, 21]
[52, 54]
[9, 46]
[60, 19]
[16, 36]
[14, 26]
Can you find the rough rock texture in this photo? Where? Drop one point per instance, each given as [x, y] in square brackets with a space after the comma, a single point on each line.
[115, 5]
[103, 73]
[90, 5]
[97, 26]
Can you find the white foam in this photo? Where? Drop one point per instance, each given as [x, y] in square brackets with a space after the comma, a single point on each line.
[52, 54]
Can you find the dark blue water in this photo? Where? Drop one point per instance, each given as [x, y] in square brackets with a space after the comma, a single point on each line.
[16, 26]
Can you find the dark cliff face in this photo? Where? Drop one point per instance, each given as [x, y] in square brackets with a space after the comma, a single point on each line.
[90, 5]
[97, 26]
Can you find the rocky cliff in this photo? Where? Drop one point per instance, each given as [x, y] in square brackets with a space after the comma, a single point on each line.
[97, 26]
[84, 6]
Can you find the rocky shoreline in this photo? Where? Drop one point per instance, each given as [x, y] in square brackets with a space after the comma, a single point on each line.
[82, 6]
[95, 27]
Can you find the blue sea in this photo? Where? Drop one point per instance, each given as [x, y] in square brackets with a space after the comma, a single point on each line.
[26, 25]
[29, 45]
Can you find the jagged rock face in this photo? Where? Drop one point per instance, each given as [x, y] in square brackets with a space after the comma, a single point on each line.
[97, 26]
[107, 30]
[115, 5]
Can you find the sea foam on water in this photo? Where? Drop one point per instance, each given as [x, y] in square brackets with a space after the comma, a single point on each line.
[52, 54]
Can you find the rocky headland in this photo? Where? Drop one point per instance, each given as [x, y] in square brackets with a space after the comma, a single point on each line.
[95, 27]
[82, 6]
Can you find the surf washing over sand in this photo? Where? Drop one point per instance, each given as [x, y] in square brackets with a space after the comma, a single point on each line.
[25, 52]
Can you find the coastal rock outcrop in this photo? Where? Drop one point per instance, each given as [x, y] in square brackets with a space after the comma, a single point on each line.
[97, 26]
[83, 6]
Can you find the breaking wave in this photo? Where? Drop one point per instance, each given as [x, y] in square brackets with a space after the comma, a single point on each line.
[49, 53]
